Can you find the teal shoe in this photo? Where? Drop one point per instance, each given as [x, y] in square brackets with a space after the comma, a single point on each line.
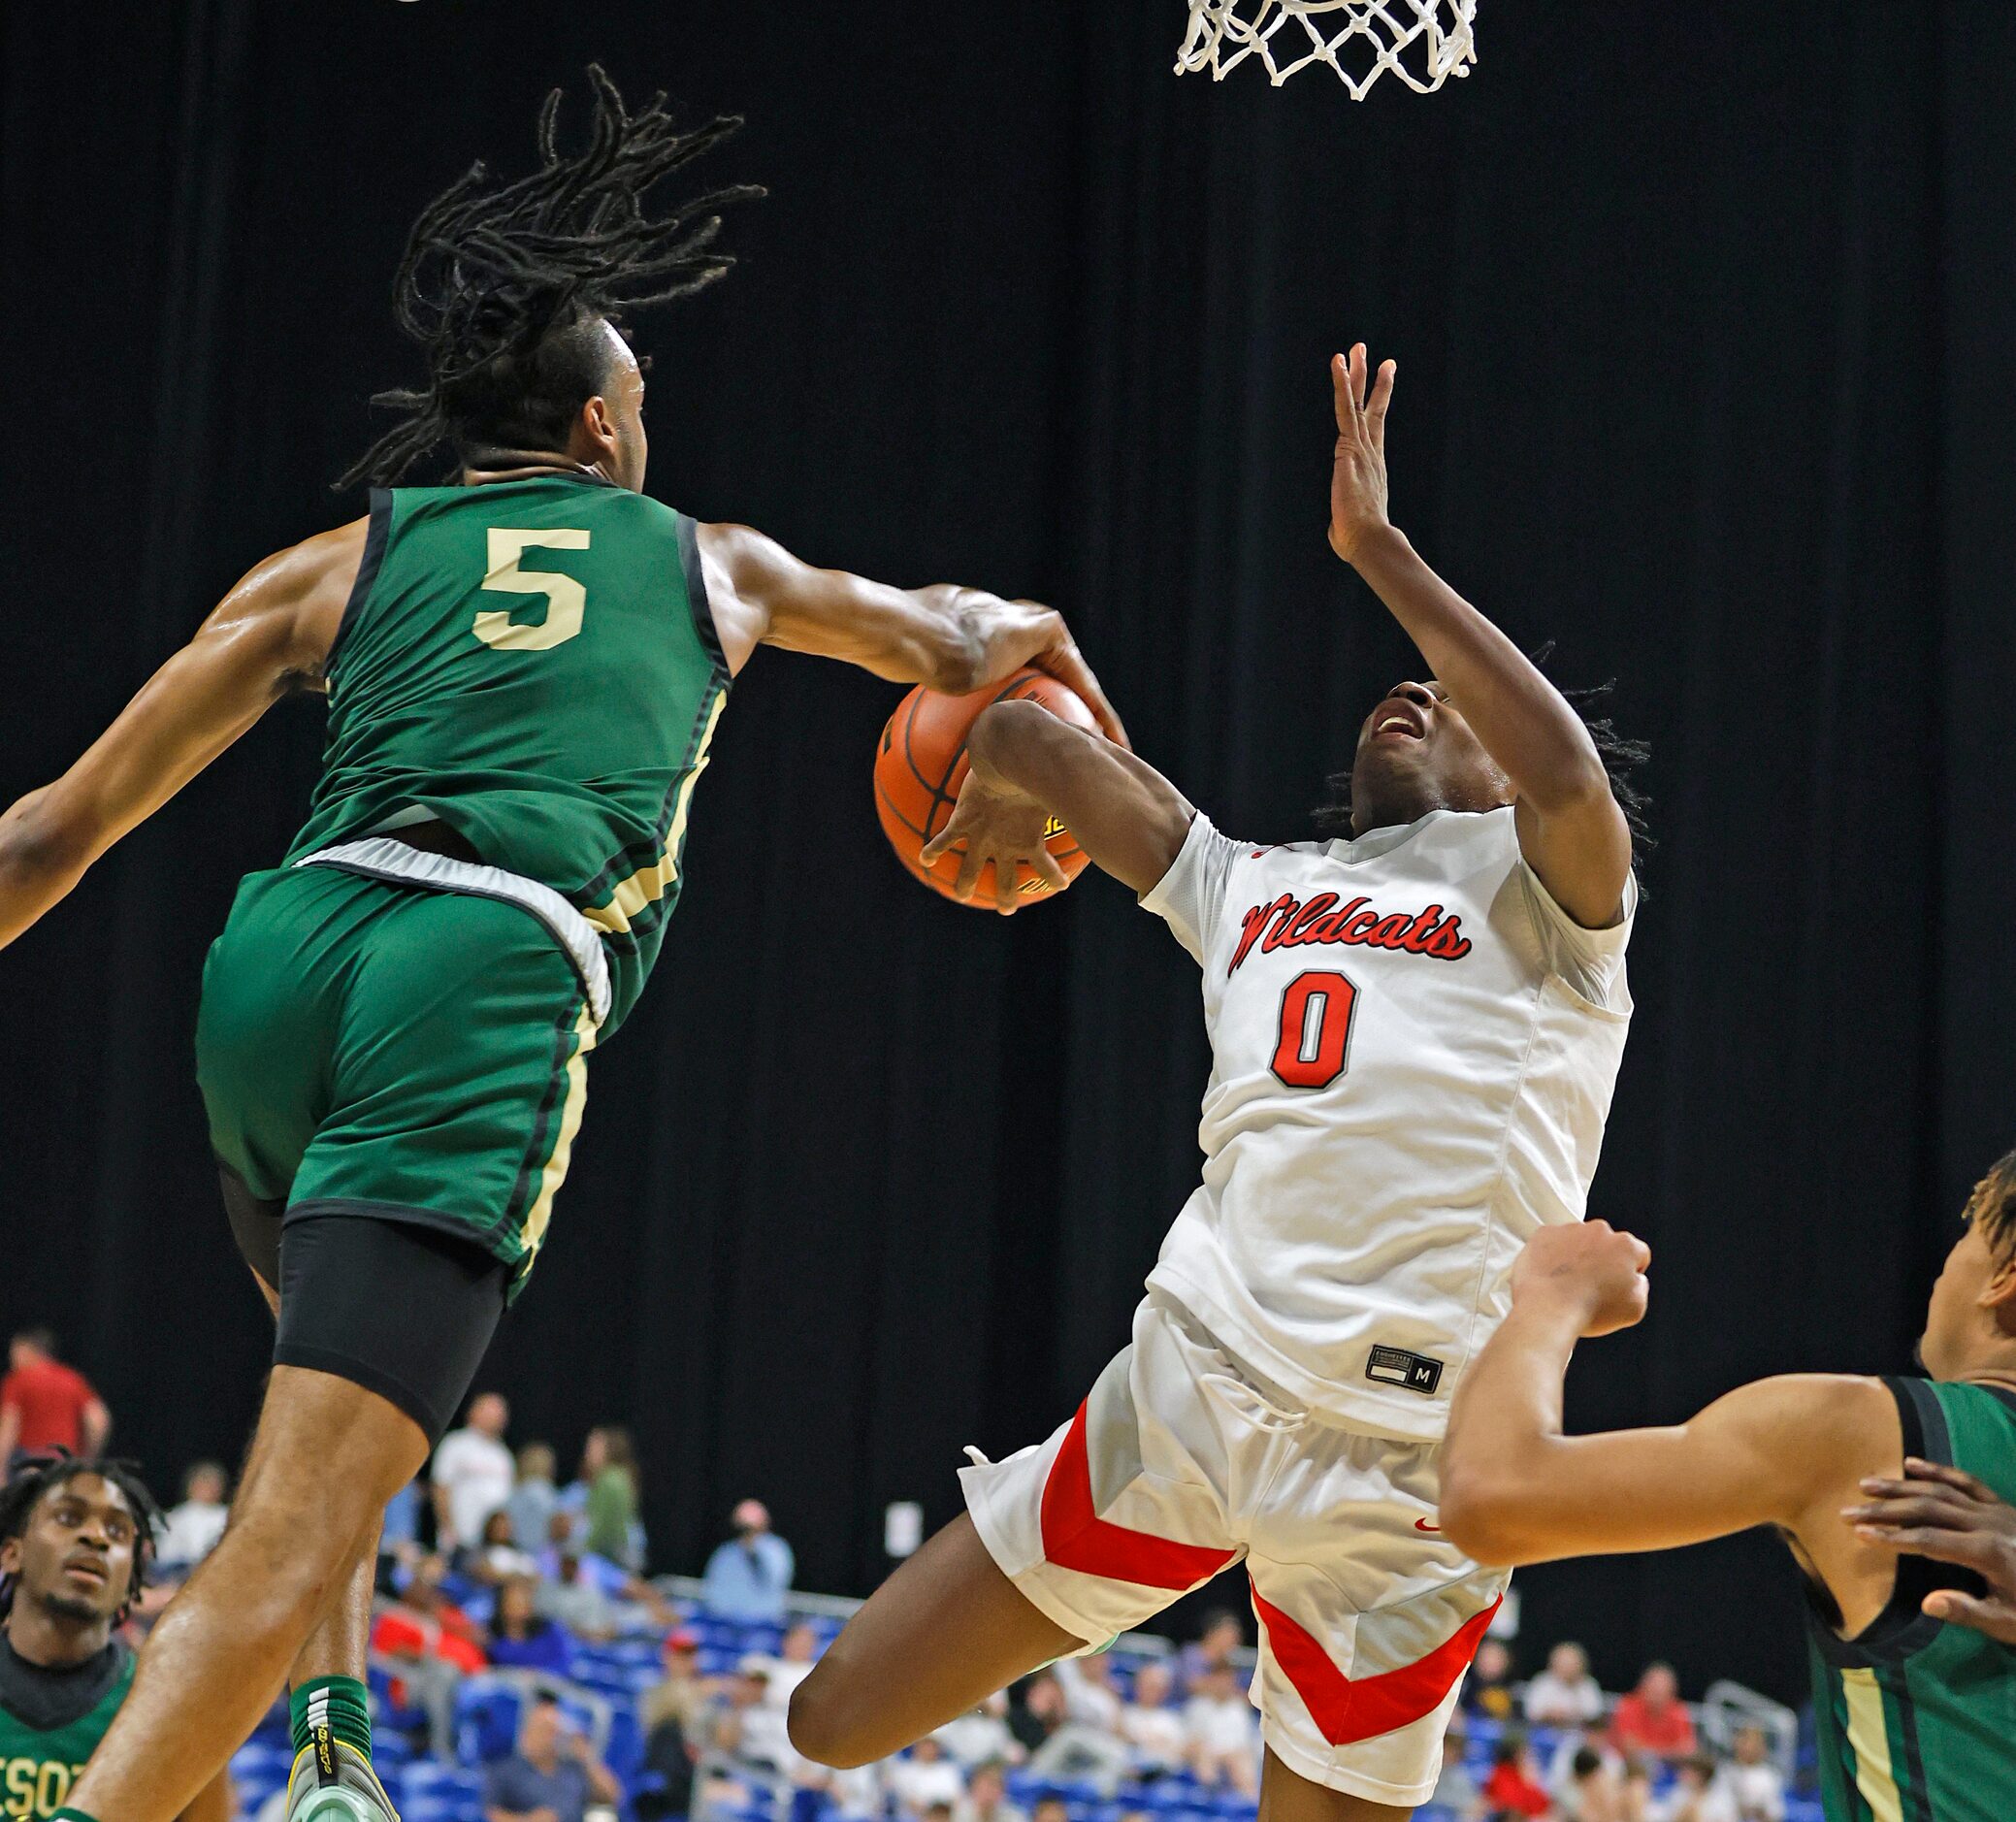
[333, 1783]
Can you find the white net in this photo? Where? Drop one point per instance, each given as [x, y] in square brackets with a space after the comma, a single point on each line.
[1422, 42]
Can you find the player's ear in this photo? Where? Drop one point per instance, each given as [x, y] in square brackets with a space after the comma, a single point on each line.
[11, 1557]
[1998, 1293]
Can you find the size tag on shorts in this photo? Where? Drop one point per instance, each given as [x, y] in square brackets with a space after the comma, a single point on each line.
[1395, 1366]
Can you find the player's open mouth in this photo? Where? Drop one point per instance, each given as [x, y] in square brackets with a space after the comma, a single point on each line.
[1398, 727]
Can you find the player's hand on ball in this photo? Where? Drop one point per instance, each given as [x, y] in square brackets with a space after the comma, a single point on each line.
[1358, 471]
[1945, 1513]
[1005, 827]
[1597, 1271]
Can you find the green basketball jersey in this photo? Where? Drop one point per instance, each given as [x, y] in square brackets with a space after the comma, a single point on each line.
[39, 1763]
[1916, 1720]
[532, 663]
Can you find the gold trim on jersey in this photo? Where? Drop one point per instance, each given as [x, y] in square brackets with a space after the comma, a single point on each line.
[649, 884]
[562, 1155]
[1869, 1734]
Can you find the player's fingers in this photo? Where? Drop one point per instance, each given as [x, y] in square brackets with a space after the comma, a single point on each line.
[1066, 664]
[1340, 396]
[968, 871]
[1007, 876]
[1047, 868]
[1969, 1550]
[1640, 1253]
[1375, 407]
[945, 840]
[1994, 1616]
[1962, 1482]
[1904, 1508]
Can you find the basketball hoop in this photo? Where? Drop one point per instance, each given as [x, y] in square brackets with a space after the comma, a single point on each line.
[1422, 42]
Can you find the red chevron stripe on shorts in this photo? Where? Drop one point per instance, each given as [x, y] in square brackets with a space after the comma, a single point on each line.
[1076, 1537]
[1345, 1710]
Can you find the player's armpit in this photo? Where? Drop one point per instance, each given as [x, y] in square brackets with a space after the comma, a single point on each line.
[950, 639]
[272, 633]
[1773, 1452]
[1129, 820]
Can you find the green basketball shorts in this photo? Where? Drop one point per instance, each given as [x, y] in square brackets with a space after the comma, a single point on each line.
[370, 1046]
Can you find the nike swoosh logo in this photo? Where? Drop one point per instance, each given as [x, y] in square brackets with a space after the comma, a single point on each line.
[1421, 1525]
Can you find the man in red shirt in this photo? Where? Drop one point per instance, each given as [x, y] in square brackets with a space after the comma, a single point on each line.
[44, 1404]
[1652, 1718]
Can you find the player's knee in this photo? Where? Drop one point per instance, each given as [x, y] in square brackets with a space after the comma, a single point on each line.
[825, 1725]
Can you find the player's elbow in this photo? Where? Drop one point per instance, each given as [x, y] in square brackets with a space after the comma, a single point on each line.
[39, 841]
[1482, 1511]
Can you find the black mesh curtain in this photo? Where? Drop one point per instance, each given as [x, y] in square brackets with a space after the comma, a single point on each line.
[1705, 371]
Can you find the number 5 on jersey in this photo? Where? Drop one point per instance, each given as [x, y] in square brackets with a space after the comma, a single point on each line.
[567, 600]
[1316, 1030]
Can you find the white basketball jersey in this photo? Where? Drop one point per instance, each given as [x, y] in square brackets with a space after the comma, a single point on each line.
[1413, 1053]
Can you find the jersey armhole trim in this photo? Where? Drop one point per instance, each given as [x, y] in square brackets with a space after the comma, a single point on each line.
[1903, 1628]
[697, 593]
[374, 536]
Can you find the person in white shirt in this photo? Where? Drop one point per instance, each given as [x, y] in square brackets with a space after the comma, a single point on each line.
[472, 1473]
[791, 1666]
[1089, 1697]
[1755, 1785]
[1416, 1026]
[1564, 1694]
[1150, 1726]
[193, 1528]
[926, 1778]
[987, 1796]
[982, 1735]
[1223, 1733]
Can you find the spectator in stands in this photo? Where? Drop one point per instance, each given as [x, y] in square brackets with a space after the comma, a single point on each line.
[1640, 1804]
[924, 1779]
[1036, 1711]
[749, 1577]
[939, 1812]
[194, 1527]
[569, 1594]
[1594, 1789]
[551, 1777]
[1488, 1689]
[1456, 1794]
[745, 1729]
[987, 1796]
[1697, 1794]
[1564, 1694]
[1513, 1785]
[793, 1664]
[1220, 1635]
[609, 1474]
[1089, 1697]
[496, 1558]
[1755, 1785]
[1652, 1718]
[982, 1734]
[1224, 1733]
[46, 1405]
[521, 1637]
[472, 1473]
[1051, 1809]
[1150, 1727]
[438, 1643]
[535, 1499]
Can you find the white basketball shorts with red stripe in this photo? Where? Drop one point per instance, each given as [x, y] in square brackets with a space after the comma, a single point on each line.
[1181, 1463]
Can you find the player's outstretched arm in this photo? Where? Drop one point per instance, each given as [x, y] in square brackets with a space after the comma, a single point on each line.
[212, 1802]
[271, 634]
[952, 638]
[1027, 766]
[1570, 830]
[1516, 1489]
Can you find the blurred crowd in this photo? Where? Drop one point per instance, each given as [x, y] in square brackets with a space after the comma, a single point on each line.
[494, 1564]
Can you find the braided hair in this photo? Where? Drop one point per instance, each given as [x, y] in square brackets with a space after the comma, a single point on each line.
[507, 284]
[40, 1476]
[1621, 758]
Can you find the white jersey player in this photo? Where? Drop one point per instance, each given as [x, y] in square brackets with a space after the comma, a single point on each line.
[1414, 1033]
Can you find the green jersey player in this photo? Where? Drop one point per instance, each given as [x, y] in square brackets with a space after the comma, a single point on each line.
[76, 1537]
[1892, 1494]
[524, 671]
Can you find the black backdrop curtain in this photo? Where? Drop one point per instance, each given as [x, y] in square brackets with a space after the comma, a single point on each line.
[1701, 318]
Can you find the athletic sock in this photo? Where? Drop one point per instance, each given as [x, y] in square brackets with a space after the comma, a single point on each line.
[341, 1704]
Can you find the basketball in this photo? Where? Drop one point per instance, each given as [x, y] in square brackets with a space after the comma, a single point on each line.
[920, 763]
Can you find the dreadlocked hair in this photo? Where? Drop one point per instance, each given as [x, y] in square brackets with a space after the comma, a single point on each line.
[1621, 759]
[1992, 1208]
[40, 1476]
[507, 284]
